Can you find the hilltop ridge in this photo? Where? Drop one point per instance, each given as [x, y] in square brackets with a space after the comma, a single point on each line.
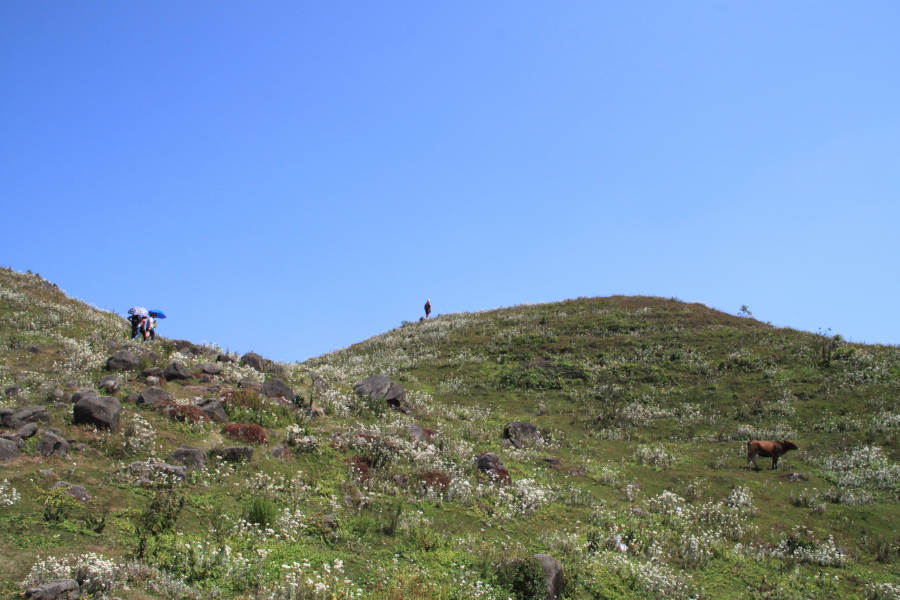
[604, 436]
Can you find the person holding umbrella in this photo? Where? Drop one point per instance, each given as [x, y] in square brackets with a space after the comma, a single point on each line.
[151, 323]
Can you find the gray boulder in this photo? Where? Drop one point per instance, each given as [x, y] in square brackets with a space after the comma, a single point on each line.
[132, 398]
[213, 409]
[52, 444]
[553, 463]
[122, 360]
[521, 430]
[276, 388]
[381, 386]
[254, 361]
[237, 453]
[150, 356]
[152, 372]
[32, 414]
[26, 431]
[490, 464]
[84, 393]
[152, 395]
[73, 491]
[224, 358]
[187, 455]
[19, 442]
[34, 349]
[280, 452]
[153, 381]
[58, 589]
[144, 469]
[211, 369]
[110, 384]
[553, 571]
[9, 450]
[102, 411]
[176, 370]
[249, 384]
[511, 442]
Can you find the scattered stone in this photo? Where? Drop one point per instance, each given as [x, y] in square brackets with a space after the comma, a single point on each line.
[9, 450]
[150, 356]
[553, 571]
[45, 430]
[491, 465]
[553, 463]
[52, 444]
[280, 452]
[637, 510]
[276, 388]
[381, 386]
[401, 480]
[511, 442]
[521, 430]
[112, 346]
[57, 395]
[58, 589]
[237, 453]
[249, 384]
[13, 391]
[123, 360]
[224, 358]
[102, 411]
[254, 361]
[19, 442]
[34, 349]
[132, 398]
[81, 447]
[84, 393]
[26, 431]
[152, 372]
[577, 473]
[46, 472]
[188, 455]
[72, 384]
[794, 477]
[73, 491]
[60, 405]
[419, 433]
[213, 409]
[145, 469]
[32, 414]
[176, 370]
[152, 395]
[153, 381]
[110, 384]
[206, 378]
[211, 369]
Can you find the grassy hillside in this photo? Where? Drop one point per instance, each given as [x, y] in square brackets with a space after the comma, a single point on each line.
[644, 406]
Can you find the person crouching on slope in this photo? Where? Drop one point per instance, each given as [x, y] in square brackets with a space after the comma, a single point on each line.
[427, 308]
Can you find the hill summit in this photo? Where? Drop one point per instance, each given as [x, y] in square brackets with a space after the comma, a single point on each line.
[591, 448]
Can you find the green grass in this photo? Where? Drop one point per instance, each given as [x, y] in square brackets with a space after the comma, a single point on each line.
[608, 381]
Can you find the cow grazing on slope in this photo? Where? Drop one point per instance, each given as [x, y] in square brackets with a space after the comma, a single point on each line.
[768, 449]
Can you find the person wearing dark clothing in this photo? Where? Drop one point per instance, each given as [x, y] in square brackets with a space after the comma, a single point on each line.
[135, 324]
[427, 308]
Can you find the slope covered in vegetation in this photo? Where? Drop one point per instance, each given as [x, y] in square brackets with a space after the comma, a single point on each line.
[637, 483]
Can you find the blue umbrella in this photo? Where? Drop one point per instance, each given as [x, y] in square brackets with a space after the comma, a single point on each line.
[157, 314]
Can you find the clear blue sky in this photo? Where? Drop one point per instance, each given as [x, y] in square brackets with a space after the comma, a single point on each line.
[293, 177]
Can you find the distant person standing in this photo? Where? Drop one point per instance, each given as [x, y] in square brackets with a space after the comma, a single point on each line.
[427, 308]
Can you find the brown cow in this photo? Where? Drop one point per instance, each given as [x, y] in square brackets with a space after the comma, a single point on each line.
[774, 449]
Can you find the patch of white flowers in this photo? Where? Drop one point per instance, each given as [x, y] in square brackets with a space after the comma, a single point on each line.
[8, 496]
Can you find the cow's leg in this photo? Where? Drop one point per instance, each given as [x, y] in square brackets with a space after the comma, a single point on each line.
[752, 458]
[774, 462]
